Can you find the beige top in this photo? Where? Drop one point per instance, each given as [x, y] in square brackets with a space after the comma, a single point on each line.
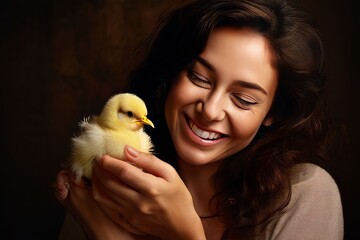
[314, 211]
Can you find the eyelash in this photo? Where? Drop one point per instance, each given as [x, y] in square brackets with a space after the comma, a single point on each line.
[198, 81]
[246, 105]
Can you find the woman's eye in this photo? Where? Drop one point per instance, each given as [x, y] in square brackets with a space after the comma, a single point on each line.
[242, 103]
[198, 79]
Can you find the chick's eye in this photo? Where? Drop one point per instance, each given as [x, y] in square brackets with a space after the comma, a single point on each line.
[130, 114]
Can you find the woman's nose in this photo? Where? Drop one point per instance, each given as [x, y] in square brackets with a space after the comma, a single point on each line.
[212, 107]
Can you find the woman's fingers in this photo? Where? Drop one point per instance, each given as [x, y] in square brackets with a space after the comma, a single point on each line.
[130, 175]
[139, 170]
[104, 179]
[113, 205]
[107, 191]
[76, 195]
[148, 163]
[145, 191]
[62, 185]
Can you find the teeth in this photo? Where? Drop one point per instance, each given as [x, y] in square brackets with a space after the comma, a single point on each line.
[204, 134]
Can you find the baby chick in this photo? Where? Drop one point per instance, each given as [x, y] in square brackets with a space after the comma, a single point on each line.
[120, 123]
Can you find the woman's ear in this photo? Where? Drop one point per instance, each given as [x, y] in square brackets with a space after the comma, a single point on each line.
[268, 121]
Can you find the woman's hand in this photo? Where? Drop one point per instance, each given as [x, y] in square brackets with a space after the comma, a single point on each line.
[146, 195]
[76, 196]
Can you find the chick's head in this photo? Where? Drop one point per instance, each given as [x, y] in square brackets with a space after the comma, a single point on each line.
[124, 111]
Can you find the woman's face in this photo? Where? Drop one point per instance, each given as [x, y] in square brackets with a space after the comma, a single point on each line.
[216, 106]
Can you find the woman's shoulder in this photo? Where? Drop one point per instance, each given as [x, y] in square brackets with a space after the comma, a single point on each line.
[310, 174]
[311, 184]
[314, 210]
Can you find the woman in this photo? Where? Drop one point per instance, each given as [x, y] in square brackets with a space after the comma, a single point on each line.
[235, 91]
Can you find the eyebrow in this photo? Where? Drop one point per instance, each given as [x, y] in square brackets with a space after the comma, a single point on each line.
[240, 83]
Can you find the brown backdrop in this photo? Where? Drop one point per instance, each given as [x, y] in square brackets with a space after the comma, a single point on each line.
[61, 59]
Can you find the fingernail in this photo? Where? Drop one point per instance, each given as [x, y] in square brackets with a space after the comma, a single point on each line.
[132, 152]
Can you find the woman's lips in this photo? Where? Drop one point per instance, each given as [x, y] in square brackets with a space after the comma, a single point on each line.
[200, 135]
[206, 135]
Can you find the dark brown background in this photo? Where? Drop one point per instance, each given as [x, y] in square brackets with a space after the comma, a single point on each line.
[61, 59]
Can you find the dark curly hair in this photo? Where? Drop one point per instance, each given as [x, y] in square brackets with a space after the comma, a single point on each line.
[253, 186]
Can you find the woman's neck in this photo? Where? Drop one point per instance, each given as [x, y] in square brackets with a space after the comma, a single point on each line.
[198, 180]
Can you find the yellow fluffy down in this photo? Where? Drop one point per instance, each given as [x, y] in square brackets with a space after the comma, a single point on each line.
[108, 133]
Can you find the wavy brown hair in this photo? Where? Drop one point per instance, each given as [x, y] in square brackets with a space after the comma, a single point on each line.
[253, 186]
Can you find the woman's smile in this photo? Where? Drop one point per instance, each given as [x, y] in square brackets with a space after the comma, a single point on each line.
[201, 135]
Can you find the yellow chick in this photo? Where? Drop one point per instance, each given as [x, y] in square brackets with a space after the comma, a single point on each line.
[120, 123]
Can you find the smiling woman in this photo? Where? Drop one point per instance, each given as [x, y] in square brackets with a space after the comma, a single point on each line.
[235, 88]
[216, 102]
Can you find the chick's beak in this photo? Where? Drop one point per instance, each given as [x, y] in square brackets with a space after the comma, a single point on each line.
[145, 120]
